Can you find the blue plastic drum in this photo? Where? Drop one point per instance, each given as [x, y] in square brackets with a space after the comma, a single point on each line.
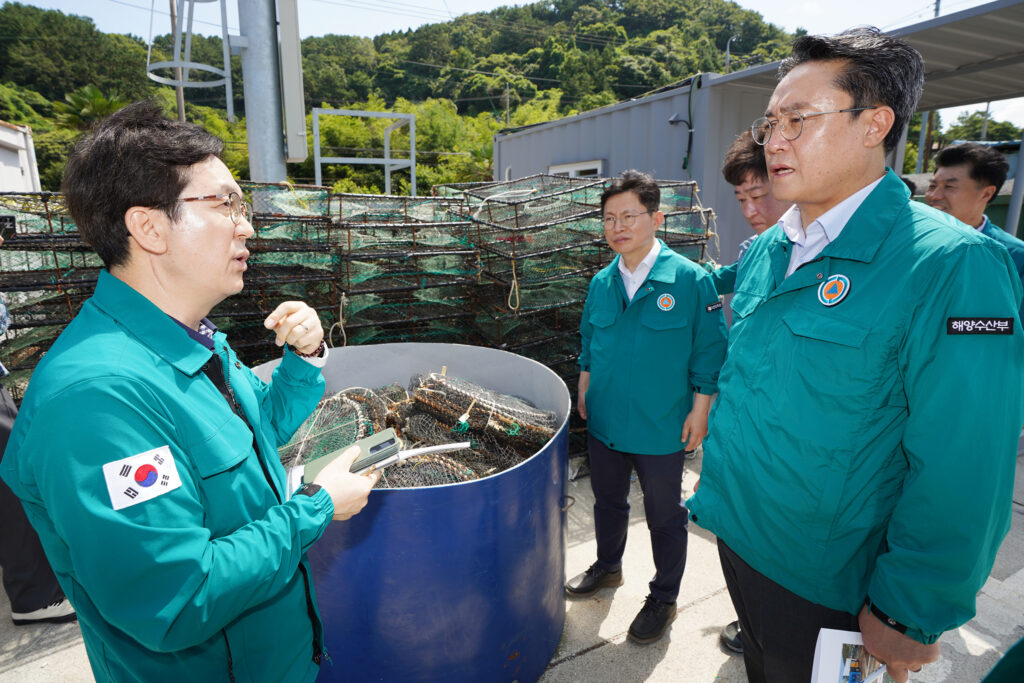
[462, 582]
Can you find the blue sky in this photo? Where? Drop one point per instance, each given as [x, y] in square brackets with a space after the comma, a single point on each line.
[373, 17]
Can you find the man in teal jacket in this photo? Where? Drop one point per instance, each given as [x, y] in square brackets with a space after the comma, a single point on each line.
[745, 170]
[967, 178]
[145, 454]
[875, 341]
[653, 341]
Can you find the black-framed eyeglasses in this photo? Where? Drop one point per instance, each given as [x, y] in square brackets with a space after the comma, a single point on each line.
[238, 208]
[791, 123]
[626, 220]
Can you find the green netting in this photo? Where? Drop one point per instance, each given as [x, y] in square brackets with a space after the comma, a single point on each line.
[500, 263]
[678, 196]
[371, 208]
[286, 199]
[37, 212]
[502, 430]
[456, 329]
[695, 223]
[411, 237]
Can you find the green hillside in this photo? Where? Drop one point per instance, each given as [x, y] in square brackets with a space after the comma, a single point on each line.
[553, 58]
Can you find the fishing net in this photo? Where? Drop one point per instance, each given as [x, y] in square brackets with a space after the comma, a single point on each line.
[436, 409]
[393, 209]
[503, 264]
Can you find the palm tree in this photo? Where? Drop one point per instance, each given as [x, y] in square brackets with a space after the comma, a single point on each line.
[85, 106]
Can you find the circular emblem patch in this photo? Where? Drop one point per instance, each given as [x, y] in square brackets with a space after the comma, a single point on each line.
[666, 302]
[833, 290]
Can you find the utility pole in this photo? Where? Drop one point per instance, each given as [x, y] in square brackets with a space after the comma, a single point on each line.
[924, 141]
[506, 102]
[257, 23]
[180, 90]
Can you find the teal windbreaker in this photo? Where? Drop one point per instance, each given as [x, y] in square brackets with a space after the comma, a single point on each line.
[646, 357]
[867, 448]
[1014, 246]
[203, 582]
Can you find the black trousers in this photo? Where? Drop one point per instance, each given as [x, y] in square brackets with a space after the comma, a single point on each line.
[779, 628]
[661, 478]
[28, 580]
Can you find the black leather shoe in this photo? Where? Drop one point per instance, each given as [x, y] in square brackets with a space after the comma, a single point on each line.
[651, 622]
[591, 581]
[731, 638]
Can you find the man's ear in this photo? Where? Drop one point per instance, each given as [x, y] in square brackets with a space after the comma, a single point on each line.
[988, 193]
[879, 124]
[148, 227]
[658, 218]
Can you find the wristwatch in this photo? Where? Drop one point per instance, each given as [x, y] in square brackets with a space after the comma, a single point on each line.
[885, 618]
[309, 489]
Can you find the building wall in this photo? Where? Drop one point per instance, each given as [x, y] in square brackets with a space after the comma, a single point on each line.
[18, 172]
[638, 135]
[624, 136]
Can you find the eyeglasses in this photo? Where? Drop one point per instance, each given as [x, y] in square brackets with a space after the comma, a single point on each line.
[238, 210]
[790, 123]
[626, 220]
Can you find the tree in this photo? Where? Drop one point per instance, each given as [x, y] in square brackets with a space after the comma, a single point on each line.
[86, 106]
[968, 127]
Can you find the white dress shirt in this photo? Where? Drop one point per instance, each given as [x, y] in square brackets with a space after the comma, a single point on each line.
[633, 280]
[808, 242]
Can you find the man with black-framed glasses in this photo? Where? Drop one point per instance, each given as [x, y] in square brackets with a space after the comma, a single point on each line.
[874, 342]
[145, 453]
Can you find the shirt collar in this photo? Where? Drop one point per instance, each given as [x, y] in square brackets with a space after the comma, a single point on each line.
[831, 222]
[140, 318]
[645, 265]
[204, 335]
[984, 223]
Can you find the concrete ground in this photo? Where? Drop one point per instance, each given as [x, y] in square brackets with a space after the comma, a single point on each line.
[594, 647]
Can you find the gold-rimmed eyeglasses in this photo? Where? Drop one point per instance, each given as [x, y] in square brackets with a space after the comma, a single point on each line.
[626, 220]
[238, 209]
[791, 123]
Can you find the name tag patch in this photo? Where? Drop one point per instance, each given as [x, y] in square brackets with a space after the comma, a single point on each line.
[141, 477]
[979, 326]
[717, 306]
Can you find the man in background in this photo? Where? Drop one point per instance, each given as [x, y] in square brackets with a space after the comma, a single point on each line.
[744, 168]
[31, 587]
[967, 178]
[652, 342]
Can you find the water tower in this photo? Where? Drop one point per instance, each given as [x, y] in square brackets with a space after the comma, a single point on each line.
[269, 45]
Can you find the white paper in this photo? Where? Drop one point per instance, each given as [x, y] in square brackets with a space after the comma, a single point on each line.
[840, 657]
[294, 481]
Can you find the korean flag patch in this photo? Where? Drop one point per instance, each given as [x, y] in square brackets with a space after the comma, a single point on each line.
[141, 477]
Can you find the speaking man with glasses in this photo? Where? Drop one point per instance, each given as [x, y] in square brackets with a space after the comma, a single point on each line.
[653, 340]
[872, 337]
[145, 454]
